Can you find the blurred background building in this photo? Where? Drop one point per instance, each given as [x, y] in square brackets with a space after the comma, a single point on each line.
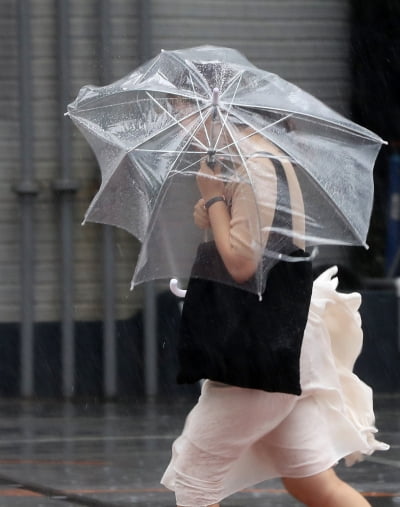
[69, 326]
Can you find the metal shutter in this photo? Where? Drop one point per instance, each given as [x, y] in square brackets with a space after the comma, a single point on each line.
[305, 41]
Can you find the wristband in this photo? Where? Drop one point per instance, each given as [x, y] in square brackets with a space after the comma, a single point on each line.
[213, 200]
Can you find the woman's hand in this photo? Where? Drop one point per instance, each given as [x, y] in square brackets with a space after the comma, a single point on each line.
[200, 215]
[209, 182]
[218, 219]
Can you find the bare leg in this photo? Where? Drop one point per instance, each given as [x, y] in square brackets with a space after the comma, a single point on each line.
[324, 490]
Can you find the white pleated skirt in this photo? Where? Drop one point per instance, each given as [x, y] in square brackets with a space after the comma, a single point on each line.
[235, 438]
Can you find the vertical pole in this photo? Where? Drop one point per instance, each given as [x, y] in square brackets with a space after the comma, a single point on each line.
[109, 334]
[27, 190]
[66, 187]
[150, 308]
[396, 282]
[145, 31]
[393, 220]
[150, 337]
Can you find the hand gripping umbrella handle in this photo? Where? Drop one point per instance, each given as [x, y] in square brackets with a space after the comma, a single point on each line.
[173, 285]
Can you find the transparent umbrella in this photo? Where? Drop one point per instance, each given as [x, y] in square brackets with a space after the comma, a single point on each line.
[295, 171]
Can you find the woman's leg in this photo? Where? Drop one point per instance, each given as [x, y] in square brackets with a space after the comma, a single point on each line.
[324, 490]
[225, 422]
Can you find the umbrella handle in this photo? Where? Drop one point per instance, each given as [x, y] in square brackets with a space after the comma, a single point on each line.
[173, 285]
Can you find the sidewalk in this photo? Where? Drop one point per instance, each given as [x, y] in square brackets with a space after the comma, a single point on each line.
[56, 454]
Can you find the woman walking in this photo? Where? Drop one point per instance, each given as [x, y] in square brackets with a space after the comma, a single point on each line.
[239, 434]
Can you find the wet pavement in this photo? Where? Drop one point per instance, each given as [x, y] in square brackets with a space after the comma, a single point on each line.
[55, 454]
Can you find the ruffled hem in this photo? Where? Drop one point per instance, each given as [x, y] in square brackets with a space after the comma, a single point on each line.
[347, 401]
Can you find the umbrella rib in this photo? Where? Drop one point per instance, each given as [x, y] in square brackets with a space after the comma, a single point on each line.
[200, 110]
[249, 176]
[104, 184]
[89, 127]
[177, 122]
[334, 205]
[170, 151]
[184, 169]
[227, 114]
[164, 130]
[185, 64]
[156, 60]
[256, 131]
[153, 218]
[241, 155]
[105, 106]
[161, 195]
[104, 181]
[88, 124]
[368, 135]
[239, 76]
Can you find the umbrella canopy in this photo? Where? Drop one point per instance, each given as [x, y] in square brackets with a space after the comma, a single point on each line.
[151, 129]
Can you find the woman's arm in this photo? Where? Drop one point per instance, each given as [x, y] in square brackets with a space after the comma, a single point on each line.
[240, 267]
